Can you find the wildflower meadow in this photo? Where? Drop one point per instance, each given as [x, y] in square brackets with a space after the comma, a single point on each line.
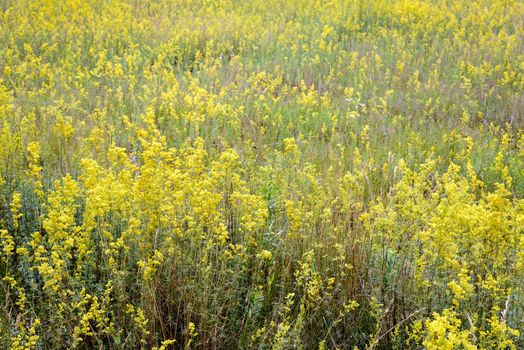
[264, 174]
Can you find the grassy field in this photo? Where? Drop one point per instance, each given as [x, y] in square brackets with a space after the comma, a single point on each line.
[302, 174]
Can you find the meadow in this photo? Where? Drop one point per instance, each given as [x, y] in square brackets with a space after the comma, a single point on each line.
[226, 174]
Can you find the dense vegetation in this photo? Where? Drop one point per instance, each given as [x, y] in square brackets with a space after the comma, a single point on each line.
[302, 174]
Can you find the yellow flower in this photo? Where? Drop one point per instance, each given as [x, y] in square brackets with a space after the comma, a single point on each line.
[265, 255]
